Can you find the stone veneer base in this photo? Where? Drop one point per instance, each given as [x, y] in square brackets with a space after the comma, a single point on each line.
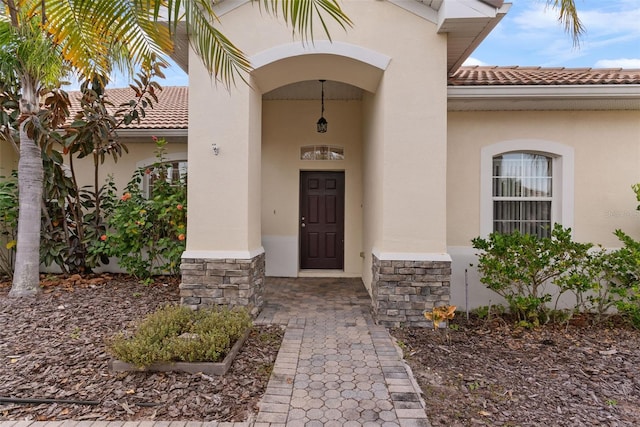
[229, 282]
[403, 290]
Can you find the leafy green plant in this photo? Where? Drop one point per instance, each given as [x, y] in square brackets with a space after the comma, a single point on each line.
[598, 282]
[520, 266]
[148, 235]
[8, 222]
[607, 279]
[560, 315]
[473, 386]
[486, 311]
[75, 216]
[626, 273]
[177, 333]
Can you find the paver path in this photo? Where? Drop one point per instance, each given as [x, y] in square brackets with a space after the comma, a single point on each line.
[335, 366]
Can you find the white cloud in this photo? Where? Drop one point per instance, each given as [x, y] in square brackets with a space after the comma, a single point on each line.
[473, 61]
[618, 63]
[618, 22]
[532, 35]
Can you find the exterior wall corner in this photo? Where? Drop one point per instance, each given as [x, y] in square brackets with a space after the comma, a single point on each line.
[402, 290]
[228, 282]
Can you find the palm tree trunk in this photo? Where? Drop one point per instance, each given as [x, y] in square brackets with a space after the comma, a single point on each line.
[26, 280]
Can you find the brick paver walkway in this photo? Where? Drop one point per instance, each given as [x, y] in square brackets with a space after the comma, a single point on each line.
[336, 367]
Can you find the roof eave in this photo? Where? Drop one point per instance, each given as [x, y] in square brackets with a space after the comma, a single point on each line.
[139, 133]
[488, 97]
[467, 23]
[546, 91]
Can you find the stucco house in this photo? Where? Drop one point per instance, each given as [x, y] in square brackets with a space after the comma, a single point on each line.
[407, 172]
[420, 155]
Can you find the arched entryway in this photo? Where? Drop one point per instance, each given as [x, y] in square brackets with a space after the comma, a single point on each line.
[312, 191]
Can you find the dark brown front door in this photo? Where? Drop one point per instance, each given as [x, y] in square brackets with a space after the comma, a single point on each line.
[321, 220]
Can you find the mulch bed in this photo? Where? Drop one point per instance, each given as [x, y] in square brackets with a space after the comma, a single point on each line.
[54, 347]
[493, 373]
[483, 373]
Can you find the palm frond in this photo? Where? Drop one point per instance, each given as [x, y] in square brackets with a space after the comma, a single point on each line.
[568, 17]
[97, 35]
[220, 56]
[30, 52]
[94, 36]
[78, 37]
[301, 14]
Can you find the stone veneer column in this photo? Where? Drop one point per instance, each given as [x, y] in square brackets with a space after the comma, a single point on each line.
[226, 282]
[403, 290]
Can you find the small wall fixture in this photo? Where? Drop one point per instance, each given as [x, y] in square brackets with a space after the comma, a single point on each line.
[215, 149]
[322, 122]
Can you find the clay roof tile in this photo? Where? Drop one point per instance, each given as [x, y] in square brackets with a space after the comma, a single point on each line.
[515, 75]
[170, 112]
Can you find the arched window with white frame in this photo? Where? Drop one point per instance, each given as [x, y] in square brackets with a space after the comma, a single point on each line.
[526, 185]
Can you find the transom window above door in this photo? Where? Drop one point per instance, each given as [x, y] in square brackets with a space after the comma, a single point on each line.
[522, 193]
[321, 152]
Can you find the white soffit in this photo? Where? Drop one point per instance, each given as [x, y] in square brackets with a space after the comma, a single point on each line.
[466, 22]
[574, 97]
[180, 52]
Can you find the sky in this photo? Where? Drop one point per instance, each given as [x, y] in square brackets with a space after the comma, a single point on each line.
[530, 35]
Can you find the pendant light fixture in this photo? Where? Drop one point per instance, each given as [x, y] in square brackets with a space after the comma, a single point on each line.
[322, 122]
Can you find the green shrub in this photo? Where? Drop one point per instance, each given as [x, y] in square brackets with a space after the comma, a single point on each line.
[626, 273]
[179, 334]
[520, 266]
[605, 280]
[147, 235]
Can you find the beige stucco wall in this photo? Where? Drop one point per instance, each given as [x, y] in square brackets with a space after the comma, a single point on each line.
[140, 153]
[402, 128]
[373, 180]
[606, 147]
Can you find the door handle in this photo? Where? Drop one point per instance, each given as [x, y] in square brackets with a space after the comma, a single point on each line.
[303, 225]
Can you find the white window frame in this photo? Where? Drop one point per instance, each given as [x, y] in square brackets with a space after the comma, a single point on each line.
[563, 178]
[167, 158]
